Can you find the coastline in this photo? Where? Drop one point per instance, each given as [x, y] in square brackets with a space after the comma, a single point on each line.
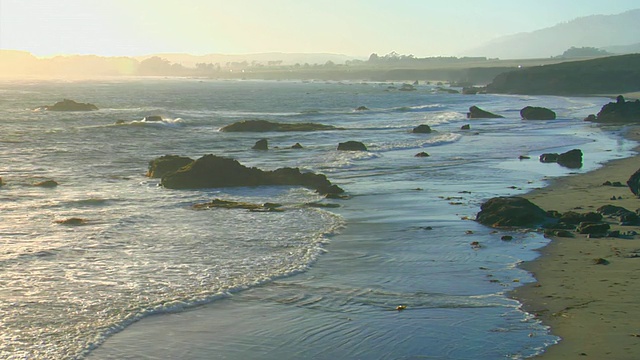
[590, 306]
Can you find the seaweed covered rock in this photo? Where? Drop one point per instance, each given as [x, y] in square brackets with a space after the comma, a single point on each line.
[69, 105]
[510, 211]
[537, 113]
[163, 165]
[621, 111]
[212, 171]
[352, 146]
[265, 126]
[477, 113]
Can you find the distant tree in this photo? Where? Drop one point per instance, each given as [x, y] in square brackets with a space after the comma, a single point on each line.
[584, 52]
[155, 66]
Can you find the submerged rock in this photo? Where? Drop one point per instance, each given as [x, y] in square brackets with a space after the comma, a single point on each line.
[265, 126]
[69, 105]
[352, 146]
[537, 113]
[510, 211]
[47, 184]
[166, 164]
[212, 171]
[477, 113]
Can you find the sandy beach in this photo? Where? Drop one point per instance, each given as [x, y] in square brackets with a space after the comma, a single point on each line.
[590, 306]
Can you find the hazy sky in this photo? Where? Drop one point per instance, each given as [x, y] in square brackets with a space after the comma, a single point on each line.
[351, 27]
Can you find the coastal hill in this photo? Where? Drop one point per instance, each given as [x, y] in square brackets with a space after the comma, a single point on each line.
[609, 75]
[611, 32]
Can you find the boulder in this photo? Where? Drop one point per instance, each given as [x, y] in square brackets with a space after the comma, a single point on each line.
[163, 165]
[261, 144]
[212, 171]
[352, 146]
[296, 146]
[634, 183]
[574, 218]
[571, 159]
[422, 129]
[465, 127]
[591, 117]
[477, 113]
[69, 105]
[510, 211]
[265, 126]
[593, 228]
[422, 154]
[537, 113]
[620, 111]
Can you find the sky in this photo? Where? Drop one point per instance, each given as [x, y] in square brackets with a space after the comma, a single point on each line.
[351, 27]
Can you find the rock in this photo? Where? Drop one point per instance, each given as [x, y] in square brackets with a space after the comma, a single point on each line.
[571, 159]
[510, 211]
[212, 171]
[593, 228]
[72, 221]
[69, 105]
[46, 184]
[296, 146]
[620, 111]
[265, 126]
[524, 157]
[352, 146]
[362, 108]
[163, 165]
[422, 154]
[226, 204]
[574, 218]
[1, 183]
[477, 113]
[422, 129]
[261, 144]
[506, 238]
[152, 118]
[537, 113]
[465, 127]
[612, 210]
[558, 233]
[634, 183]
[591, 117]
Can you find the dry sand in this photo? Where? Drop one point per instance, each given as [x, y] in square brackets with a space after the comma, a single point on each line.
[591, 306]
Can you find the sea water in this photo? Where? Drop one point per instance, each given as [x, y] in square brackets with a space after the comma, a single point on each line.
[402, 237]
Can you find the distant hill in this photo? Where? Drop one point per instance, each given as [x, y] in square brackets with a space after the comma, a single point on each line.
[262, 58]
[600, 31]
[623, 49]
[609, 75]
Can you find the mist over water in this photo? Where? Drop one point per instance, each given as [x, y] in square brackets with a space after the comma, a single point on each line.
[144, 250]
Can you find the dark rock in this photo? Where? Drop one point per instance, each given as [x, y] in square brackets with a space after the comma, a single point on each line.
[559, 233]
[593, 228]
[571, 159]
[69, 105]
[465, 127]
[524, 157]
[537, 113]
[422, 154]
[226, 204]
[265, 126]
[612, 210]
[506, 238]
[601, 261]
[477, 113]
[163, 165]
[46, 184]
[572, 217]
[212, 171]
[591, 117]
[72, 221]
[352, 146]
[634, 183]
[510, 211]
[549, 158]
[620, 111]
[421, 129]
[362, 108]
[296, 146]
[152, 118]
[261, 144]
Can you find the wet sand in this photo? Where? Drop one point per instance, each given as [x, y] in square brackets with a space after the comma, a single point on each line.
[592, 307]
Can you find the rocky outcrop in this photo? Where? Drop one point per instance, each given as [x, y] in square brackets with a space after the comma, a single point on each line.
[262, 144]
[537, 113]
[634, 183]
[422, 129]
[212, 171]
[163, 165]
[265, 126]
[571, 159]
[69, 105]
[510, 211]
[352, 146]
[362, 108]
[477, 113]
[621, 111]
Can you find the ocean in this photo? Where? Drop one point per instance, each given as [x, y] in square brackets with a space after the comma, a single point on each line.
[326, 279]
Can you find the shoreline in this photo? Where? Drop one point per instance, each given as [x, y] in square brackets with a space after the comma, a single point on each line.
[589, 306]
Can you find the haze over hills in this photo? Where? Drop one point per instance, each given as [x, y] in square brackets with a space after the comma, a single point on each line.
[615, 33]
[189, 60]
